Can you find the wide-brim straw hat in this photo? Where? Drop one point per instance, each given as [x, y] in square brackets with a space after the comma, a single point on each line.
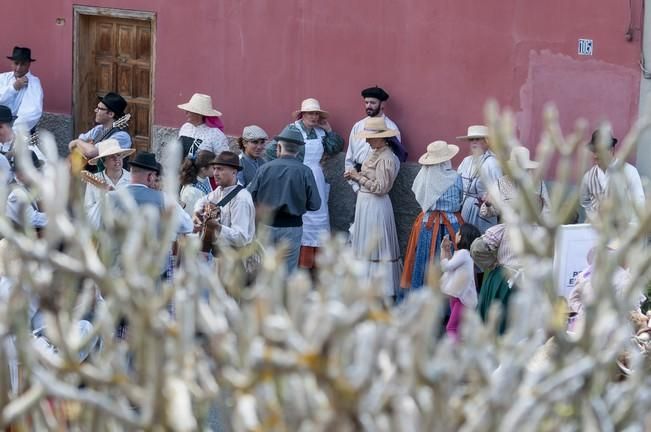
[438, 152]
[200, 104]
[110, 147]
[475, 132]
[311, 105]
[376, 127]
[520, 157]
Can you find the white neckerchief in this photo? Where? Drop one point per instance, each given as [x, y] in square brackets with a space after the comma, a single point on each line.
[431, 182]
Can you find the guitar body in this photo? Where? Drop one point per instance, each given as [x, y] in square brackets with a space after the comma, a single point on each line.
[210, 218]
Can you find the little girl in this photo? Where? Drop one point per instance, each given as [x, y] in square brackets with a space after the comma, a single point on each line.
[458, 280]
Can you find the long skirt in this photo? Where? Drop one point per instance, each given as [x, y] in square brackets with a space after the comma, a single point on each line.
[495, 288]
[375, 240]
[424, 244]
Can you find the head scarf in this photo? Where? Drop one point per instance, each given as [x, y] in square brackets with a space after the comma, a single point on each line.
[431, 182]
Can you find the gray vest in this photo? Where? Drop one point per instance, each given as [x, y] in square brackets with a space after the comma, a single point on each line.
[146, 196]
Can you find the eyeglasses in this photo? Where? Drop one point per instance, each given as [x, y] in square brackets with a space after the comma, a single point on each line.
[99, 108]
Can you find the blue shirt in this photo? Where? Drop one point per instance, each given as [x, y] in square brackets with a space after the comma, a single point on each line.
[123, 137]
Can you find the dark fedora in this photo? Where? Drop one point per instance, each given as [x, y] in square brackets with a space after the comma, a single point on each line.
[606, 135]
[114, 102]
[291, 134]
[146, 161]
[5, 114]
[228, 158]
[21, 54]
[375, 92]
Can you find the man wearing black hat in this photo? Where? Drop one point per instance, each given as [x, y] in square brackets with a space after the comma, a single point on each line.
[21, 90]
[283, 191]
[236, 224]
[358, 149]
[145, 171]
[596, 181]
[109, 109]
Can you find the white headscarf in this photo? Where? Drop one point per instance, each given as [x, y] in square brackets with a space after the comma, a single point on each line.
[431, 182]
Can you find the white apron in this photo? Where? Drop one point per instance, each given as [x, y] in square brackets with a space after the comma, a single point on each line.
[315, 223]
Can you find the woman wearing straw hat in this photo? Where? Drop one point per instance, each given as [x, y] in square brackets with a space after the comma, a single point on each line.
[113, 174]
[320, 142]
[478, 170]
[507, 189]
[374, 236]
[252, 143]
[439, 192]
[202, 129]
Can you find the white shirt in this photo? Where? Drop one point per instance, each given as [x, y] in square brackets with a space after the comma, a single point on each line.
[237, 217]
[212, 139]
[184, 221]
[19, 199]
[26, 103]
[94, 194]
[590, 197]
[358, 149]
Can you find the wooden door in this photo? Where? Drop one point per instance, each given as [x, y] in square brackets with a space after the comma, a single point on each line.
[115, 54]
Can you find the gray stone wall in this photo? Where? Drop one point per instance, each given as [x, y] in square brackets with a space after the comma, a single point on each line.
[342, 198]
[59, 125]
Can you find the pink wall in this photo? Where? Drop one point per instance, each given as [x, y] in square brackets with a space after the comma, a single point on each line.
[439, 60]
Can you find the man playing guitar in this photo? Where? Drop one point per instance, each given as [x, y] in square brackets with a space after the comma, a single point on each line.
[109, 109]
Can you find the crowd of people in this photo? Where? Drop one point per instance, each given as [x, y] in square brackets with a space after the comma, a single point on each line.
[278, 182]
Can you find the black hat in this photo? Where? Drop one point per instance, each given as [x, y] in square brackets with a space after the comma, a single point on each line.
[114, 102]
[291, 134]
[21, 54]
[607, 138]
[375, 92]
[228, 158]
[147, 161]
[5, 114]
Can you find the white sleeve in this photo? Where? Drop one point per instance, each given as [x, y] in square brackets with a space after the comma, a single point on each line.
[349, 162]
[31, 107]
[242, 228]
[91, 196]
[635, 188]
[185, 225]
[18, 202]
[7, 91]
[453, 263]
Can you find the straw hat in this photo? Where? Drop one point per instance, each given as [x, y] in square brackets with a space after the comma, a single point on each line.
[311, 105]
[438, 152]
[200, 104]
[253, 132]
[376, 127]
[475, 132]
[520, 157]
[110, 147]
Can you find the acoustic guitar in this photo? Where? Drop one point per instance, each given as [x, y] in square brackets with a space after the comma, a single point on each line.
[90, 178]
[79, 162]
[210, 217]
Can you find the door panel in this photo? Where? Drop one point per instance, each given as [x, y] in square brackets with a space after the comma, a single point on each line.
[118, 55]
